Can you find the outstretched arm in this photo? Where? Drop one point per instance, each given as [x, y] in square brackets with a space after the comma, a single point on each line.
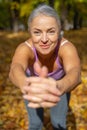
[19, 65]
[46, 92]
[71, 64]
[37, 89]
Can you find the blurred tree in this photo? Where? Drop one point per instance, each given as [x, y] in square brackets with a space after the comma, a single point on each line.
[27, 7]
[72, 10]
[51, 3]
[79, 13]
[15, 12]
[4, 16]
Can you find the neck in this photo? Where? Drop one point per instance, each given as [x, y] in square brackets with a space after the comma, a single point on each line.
[45, 57]
[47, 60]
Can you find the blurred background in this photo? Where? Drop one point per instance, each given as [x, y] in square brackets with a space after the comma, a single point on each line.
[13, 30]
[14, 13]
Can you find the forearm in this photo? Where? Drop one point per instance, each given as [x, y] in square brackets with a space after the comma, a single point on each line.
[17, 75]
[69, 81]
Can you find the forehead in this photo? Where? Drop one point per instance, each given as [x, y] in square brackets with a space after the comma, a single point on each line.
[43, 20]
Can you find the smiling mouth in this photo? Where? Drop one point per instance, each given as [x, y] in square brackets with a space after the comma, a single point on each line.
[45, 46]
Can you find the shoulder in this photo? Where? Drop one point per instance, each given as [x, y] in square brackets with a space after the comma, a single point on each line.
[66, 46]
[24, 50]
[67, 50]
[25, 45]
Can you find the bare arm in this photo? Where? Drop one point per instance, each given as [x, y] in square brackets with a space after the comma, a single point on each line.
[47, 94]
[71, 63]
[19, 64]
[21, 60]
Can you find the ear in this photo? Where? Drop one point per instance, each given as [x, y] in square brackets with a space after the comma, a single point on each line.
[41, 71]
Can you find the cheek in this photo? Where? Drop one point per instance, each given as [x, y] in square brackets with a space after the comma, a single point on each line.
[53, 38]
[35, 39]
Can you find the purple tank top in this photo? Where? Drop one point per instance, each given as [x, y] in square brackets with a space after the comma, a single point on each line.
[57, 74]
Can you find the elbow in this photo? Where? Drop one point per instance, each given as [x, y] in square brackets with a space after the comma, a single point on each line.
[10, 75]
[79, 79]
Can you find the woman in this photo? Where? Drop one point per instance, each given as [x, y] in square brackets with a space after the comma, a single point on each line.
[46, 68]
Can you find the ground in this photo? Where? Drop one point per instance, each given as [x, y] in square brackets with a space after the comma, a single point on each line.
[13, 115]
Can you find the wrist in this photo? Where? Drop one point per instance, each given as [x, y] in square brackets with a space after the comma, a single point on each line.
[60, 87]
[22, 84]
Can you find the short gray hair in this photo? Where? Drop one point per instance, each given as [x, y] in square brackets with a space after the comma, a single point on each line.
[45, 10]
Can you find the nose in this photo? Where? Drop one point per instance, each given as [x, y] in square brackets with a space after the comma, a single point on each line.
[44, 38]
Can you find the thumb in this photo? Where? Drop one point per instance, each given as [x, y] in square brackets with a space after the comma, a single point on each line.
[37, 68]
[44, 71]
[41, 71]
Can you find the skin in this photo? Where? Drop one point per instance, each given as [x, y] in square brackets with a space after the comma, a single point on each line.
[43, 91]
[44, 38]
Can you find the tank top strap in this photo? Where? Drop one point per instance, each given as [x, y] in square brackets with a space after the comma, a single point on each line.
[63, 42]
[36, 57]
[57, 58]
[33, 49]
[58, 62]
[28, 45]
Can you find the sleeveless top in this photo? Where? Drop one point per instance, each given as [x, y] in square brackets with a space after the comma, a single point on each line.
[57, 74]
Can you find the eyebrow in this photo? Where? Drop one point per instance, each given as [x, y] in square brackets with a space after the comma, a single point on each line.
[37, 29]
[47, 29]
[51, 28]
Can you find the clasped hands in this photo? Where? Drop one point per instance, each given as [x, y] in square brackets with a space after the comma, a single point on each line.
[41, 91]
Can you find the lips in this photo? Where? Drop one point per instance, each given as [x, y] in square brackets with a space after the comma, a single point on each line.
[45, 46]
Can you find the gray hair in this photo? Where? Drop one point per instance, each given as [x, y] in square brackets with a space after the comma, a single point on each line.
[45, 10]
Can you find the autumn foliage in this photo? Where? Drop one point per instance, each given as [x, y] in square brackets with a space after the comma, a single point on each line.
[13, 115]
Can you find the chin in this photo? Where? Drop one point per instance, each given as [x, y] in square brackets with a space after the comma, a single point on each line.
[45, 52]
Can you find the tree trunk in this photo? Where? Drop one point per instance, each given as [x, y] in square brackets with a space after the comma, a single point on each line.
[15, 21]
[51, 3]
[75, 20]
[63, 13]
[80, 22]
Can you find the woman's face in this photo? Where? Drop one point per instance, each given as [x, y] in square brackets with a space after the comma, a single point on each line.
[44, 33]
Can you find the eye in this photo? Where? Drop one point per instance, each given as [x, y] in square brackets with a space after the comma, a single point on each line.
[51, 32]
[37, 33]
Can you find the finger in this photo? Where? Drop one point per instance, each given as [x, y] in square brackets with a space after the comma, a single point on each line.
[43, 105]
[34, 79]
[44, 72]
[52, 86]
[48, 84]
[44, 85]
[37, 68]
[41, 95]
[47, 104]
[35, 88]
[41, 71]
[34, 105]
[49, 97]
[32, 98]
